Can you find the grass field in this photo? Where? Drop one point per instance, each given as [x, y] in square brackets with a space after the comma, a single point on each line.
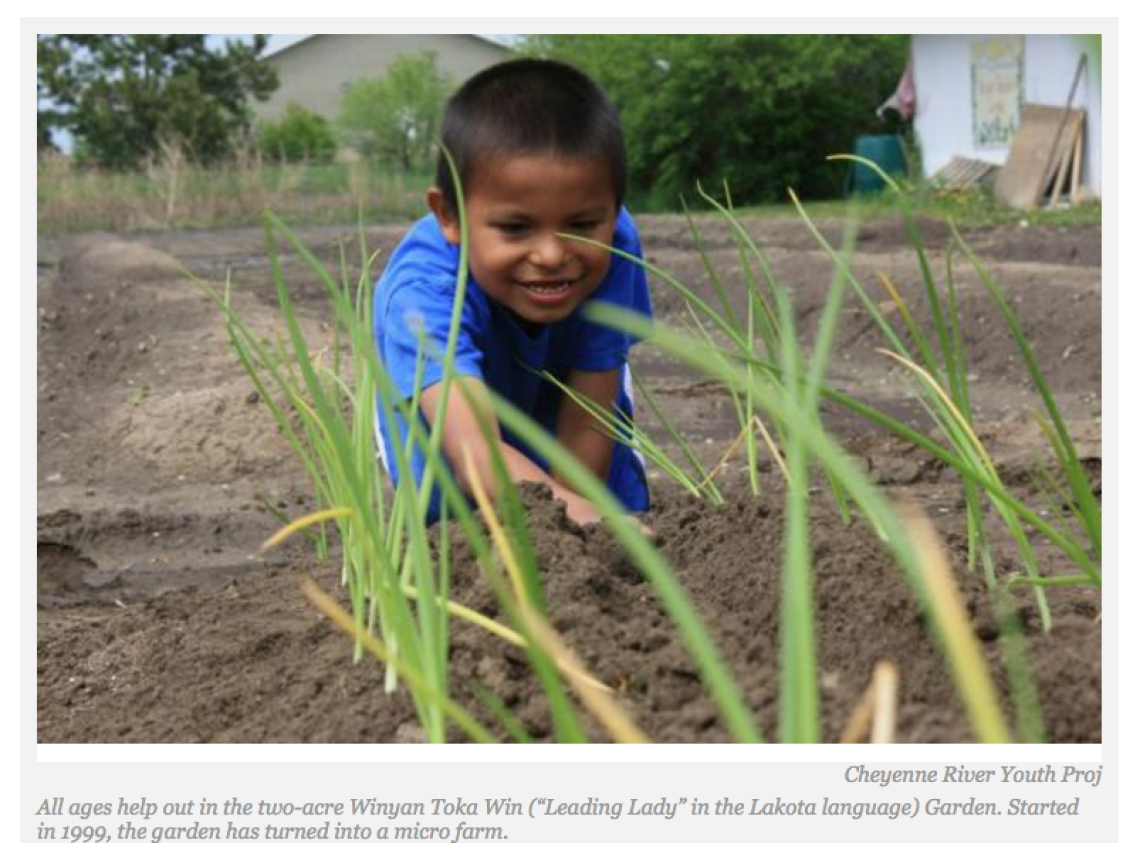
[172, 194]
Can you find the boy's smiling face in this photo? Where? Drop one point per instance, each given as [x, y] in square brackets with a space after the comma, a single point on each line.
[516, 209]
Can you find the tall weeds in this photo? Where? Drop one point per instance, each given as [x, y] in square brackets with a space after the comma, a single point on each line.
[171, 192]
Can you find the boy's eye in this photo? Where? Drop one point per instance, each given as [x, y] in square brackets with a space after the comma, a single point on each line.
[511, 228]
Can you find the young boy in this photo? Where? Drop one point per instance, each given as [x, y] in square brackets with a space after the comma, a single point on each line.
[540, 152]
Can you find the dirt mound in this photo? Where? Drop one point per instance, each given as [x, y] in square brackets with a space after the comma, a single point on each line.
[1007, 244]
[61, 570]
[136, 379]
[118, 261]
[247, 660]
[222, 437]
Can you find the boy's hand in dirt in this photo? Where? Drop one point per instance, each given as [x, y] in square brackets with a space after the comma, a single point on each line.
[582, 512]
[640, 525]
[644, 528]
[578, 509]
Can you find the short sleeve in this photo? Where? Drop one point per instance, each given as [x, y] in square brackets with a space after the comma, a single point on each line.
[414, 324]
[599, 348]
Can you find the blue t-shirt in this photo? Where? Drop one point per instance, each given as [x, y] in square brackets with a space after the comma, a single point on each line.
[414, 299]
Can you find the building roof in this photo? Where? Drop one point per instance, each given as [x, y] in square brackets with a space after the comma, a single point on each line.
[496, 40]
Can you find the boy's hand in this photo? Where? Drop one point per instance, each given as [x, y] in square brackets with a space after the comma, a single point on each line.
[581, 511]
[462, 434]
[642, 527]
[645, 529]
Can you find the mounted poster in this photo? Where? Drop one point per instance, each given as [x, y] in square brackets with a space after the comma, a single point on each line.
[996, 65]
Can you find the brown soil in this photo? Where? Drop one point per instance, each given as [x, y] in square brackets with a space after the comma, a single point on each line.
[160, 474]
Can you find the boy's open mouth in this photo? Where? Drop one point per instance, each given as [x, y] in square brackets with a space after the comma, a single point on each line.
[553, 291]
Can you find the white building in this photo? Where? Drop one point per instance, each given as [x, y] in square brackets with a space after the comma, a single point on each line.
[316, 70]
[970, 88]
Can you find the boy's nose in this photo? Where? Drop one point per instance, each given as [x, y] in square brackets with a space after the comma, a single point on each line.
[548, 252]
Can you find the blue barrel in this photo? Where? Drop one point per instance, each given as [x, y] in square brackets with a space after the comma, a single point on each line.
[884, 150]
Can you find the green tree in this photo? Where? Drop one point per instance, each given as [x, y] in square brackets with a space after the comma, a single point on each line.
[123, 96]
[396, 117]
[760, 112]
[44, 142]
[300, 135]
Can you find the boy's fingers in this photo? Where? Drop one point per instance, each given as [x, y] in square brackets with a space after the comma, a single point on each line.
[583, 513]
[645, 529]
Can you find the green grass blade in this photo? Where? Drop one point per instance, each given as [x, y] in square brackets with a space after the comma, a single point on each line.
[1089, 508]
[710, 269]
[799, 682]
[680, 441]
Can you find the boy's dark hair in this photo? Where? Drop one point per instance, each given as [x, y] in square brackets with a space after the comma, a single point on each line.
[527, 107]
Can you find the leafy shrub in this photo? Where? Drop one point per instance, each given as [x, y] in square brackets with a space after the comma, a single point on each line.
[300, 135]
[395, 118]
[760, 112]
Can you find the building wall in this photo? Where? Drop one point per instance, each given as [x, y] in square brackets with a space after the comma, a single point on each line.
[943, 85]
[316, 71]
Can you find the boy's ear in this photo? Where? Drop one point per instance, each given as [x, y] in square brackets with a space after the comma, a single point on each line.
[448, 221]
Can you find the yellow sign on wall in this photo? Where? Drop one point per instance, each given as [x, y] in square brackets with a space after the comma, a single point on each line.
[996, 66]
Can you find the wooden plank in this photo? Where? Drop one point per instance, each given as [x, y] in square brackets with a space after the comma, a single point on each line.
[952, 171]
[1062, 173]
[1075, 185]
[1066, 141]
[1058, 146]
[961, 173]
[979, 171]
[1022, 180]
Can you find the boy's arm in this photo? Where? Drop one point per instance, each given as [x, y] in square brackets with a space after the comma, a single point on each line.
[578, 430]
[581, 433]
[462, 432]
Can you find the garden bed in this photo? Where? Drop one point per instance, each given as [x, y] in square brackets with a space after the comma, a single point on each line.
[160, 619]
